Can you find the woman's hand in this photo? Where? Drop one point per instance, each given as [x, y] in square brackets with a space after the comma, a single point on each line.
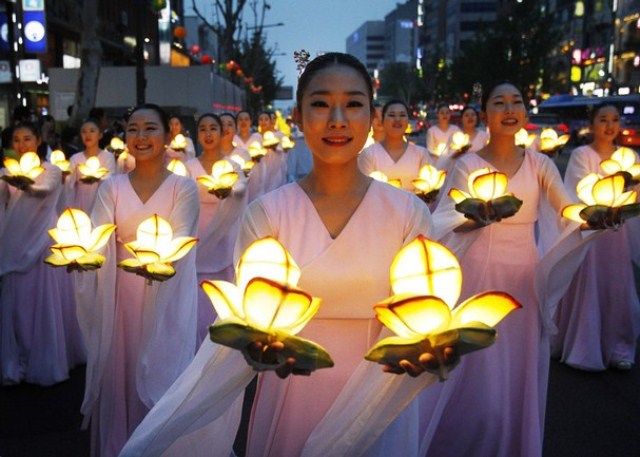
[444, 360]
[272, 357]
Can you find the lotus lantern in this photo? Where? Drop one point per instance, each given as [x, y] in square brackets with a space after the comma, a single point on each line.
[246, 165]
[176, 166]
[439, 149]
[92, 171]
[486, 200]
[429, 182]
[605, 202]
[221, 179]
[459, 143]
[179, 143]
[21, 174]
[426, 280]
[76, 243]
[155, 249]
[270, 140]
[551, 143]
[287, 144]
[117, 146]
[524, 139]
[380, 176]
[59, 160]
[623, 161]
[266, 306]
[256, 151]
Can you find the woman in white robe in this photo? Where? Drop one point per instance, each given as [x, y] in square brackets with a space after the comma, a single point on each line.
[478, 139]
[438, 135]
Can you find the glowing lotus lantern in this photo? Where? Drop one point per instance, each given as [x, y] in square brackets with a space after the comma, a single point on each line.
[117, 146]
[179, 143]
[606, 204]
[524, 139]
[270, 140]
[221, 179]
[623, 162]
[91, 171]
[429, 182]
[76, 243]
[287, 144]
[177, 167]
[59, 160]
[155, 249]
[459, 143]
[266, 307]
[256, 151]
[246, 165]
[21, 174]
[487, 200]
[439, 149]
[380, 176]
[550, 143]
[426, 280]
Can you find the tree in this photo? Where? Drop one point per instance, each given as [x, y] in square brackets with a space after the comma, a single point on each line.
[401, 81]
[227, 25]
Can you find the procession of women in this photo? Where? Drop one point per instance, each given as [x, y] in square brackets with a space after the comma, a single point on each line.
[397, 299]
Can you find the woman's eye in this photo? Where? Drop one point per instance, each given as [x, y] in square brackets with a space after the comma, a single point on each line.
[354, 104]
[319, 104]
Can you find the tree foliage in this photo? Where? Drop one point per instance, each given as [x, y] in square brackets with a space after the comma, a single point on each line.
[401, 81]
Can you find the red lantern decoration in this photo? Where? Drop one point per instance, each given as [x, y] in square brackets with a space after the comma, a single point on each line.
[180, 32]
[195, 49]
[206, 59]
[239, 72]
[248, 80]
[231, 65]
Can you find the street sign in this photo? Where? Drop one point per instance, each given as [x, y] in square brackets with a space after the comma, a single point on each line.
[34, 29]
[29, 70]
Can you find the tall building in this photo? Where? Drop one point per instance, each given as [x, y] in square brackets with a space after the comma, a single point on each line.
[401, 33]
[367, 43]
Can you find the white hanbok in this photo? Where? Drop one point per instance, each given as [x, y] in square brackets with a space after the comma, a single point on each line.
[82, 195]
[406, 168]
[438, 139]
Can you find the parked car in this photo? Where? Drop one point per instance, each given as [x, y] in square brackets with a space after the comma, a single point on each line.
[629, 131]
[537, 122]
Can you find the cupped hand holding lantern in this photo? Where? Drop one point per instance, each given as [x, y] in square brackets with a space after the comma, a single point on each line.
[117, 146]
[256, 151]
[429, 182]
[76, 243]
[426, 280]
[459, 143]
[524, 139]
[59, 160]
[550, 143]
[221, 180]
[605, 205]
[22, 174]
[179, 143]
[91, 171]
[155, 249]
[623, 162]
[246, 165]
[287, 144]
[270, 140]
[261, 314]
[487, 200]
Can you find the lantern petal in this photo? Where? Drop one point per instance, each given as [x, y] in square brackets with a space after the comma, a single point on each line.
[474, 174]
[267, 258]
[70, 253]
[488, 308]
[225, 298]
[413, 315]
[35, 172]
[585, 186]
[634, 170]
[607, 190]
[12, 165]
[424, 267]
[146, 256]
[99, 236]
[56, 260]
[610, 166]
[311, 311]
[572, 212]
[179, 247]
[458, 196]
[625, 157]
[206, 181]
[489, 186]
[130, 264]
[160, 271]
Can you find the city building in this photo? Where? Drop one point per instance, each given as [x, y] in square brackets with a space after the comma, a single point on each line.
[367, 43]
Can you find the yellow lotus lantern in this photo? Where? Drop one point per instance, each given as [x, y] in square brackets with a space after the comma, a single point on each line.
[179, 143]
[606, 204]
[487, 200]
[426, 280]
[429, 182]
[91, 171]
[287, 144]
[76, 243]
[21, 174]
[439, 149]
[256, 151]
[459, 143]
[524, 139]
[270, 140]
[155, 249]
[246, 165]
[59, 160]
[117, 146]
[266, 307]
[551, 143]
[623, 162]
[177, 167]
[221, 180]
[380, 176]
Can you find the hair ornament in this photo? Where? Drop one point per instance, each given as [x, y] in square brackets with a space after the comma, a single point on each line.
[302, 58]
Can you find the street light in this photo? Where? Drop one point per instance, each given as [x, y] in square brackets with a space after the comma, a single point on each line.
[279, 24]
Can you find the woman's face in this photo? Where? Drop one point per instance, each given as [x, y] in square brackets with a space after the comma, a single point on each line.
[24, 140]
[606, 124]
[469, 119]
[175, 126]
[228, 127]
[505, 111]
[90, 134]
[209, 133]
[335, 114]
[244, 122]
[146, 136]
[395, 120]
[264, 122]
[444, 115]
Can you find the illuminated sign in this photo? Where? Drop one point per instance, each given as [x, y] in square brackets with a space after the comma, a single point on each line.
[34, 29]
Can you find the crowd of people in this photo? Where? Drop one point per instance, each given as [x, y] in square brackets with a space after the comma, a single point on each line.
[156, 385]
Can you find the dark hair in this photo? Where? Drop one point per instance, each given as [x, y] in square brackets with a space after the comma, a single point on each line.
[33, 128]
[91, 121]
[174, 116]
[244, 111]
[442, 105]
[97, 113]
[213, 116]
[386, 106]
[164, 119]
[486, 94]
[329, 59]
[593, 112]
[231, 115]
